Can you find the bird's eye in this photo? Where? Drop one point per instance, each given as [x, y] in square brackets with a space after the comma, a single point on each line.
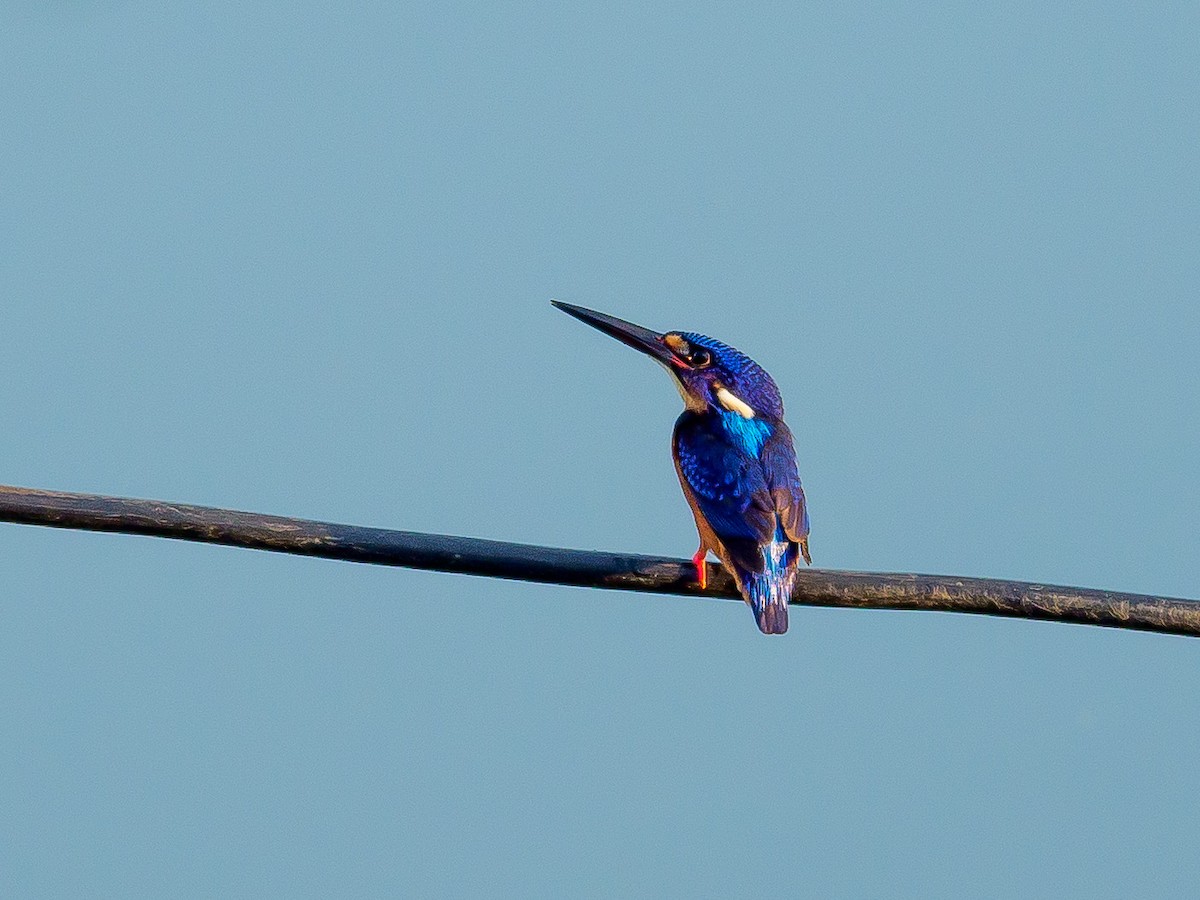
[699, 358]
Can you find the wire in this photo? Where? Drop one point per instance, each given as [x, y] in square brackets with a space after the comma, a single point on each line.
[551, 565]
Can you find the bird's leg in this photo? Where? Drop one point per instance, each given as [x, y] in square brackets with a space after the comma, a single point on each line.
[701, 569]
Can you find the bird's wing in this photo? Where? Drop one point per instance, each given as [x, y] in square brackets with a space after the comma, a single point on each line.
[783, 481]
[729, 487]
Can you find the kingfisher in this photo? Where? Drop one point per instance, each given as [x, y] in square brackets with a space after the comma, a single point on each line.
[735, 461]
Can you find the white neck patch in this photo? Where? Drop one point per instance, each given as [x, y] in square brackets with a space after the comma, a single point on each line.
[734, 403]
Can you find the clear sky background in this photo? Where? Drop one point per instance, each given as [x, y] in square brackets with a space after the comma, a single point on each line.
[297, 259]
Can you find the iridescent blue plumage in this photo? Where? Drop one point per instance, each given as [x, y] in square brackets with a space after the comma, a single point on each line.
[739, 475]
[735, 461]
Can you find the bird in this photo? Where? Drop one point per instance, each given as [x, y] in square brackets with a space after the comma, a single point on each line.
[735, 460]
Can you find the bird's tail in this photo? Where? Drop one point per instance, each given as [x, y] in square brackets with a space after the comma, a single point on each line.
[769, 589]
[769, 597]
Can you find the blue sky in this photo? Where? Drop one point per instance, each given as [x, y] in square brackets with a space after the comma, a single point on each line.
[298, 260]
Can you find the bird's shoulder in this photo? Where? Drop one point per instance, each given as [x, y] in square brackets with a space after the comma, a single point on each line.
[743, 490]
[715, 464]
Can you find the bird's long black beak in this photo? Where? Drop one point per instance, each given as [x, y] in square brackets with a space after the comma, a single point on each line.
[637, 337]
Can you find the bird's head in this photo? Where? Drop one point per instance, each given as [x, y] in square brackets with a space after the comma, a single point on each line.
[709, 374]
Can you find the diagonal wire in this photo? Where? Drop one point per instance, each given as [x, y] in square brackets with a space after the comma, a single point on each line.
[583, 568]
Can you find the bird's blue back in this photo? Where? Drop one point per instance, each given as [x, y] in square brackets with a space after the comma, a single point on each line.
[740, 476]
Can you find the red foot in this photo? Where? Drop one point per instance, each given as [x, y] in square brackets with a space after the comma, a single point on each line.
[701, 569]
